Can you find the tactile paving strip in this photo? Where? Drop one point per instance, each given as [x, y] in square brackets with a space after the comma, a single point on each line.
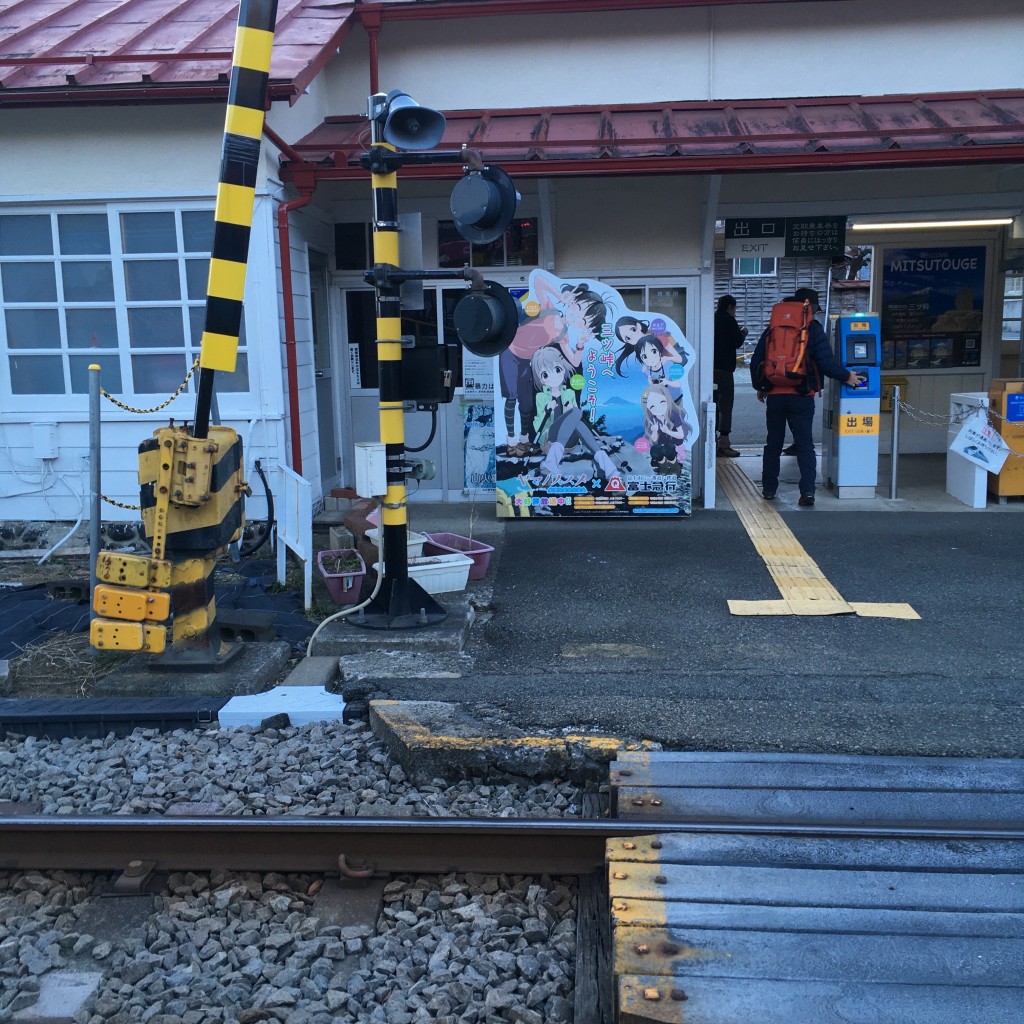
[803, 586]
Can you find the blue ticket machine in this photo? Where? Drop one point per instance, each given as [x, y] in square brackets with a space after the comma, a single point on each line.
[852, 416]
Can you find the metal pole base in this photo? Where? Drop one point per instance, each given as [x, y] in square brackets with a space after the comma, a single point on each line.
[400, 604]
[201, 658]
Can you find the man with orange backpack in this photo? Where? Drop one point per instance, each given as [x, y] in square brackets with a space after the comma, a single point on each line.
[786, 370]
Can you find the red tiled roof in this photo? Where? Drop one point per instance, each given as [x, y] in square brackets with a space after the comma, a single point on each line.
[712, 137]
[54, 51]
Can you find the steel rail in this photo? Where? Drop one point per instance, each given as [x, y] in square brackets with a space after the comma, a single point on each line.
[428, 845]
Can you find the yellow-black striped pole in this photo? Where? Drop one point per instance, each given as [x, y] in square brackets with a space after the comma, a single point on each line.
[401, 603]
[236, 193]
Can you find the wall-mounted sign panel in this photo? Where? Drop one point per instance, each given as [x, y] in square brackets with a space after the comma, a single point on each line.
[749, 237]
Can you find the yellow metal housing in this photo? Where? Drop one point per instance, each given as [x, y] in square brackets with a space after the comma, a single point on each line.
[132, 570]
[133, 605]
[110, 635]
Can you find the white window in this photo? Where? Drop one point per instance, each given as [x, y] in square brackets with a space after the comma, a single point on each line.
[1013, 319]
[123, 287]
[755, 266]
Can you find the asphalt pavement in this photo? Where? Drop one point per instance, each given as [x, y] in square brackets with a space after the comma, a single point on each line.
[624, 626]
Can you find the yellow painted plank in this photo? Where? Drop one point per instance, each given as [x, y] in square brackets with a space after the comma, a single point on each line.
[882, 610]
[759, 607]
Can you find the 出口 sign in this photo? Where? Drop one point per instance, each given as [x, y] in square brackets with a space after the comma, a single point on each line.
[773, 237]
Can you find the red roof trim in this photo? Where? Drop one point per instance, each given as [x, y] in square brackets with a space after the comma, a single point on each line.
[420, 10]
[704, 137]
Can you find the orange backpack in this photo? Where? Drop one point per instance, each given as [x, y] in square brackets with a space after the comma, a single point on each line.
[785, 350]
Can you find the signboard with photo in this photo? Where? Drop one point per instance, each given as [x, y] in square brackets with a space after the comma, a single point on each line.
[593, 411]
[932, 307]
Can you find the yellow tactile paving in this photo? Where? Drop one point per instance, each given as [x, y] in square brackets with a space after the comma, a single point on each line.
[804, 588]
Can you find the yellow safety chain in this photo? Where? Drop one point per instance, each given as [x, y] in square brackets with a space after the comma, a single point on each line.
[121, 504]
[156, 408]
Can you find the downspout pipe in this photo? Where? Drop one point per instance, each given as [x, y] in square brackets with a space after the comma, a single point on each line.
[288, 310]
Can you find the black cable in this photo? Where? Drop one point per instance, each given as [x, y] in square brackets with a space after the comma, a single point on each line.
[245, 552]
[433, 430]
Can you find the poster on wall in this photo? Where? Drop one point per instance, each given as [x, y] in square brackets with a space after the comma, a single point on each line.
[593, 411]
[932, 306]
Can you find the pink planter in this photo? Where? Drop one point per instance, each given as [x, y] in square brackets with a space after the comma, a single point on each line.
[343, 587]
[446, 543]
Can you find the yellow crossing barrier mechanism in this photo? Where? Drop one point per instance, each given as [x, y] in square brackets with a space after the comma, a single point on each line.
[804, 588]
[191, 482]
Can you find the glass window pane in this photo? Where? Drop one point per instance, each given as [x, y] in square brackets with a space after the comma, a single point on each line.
[29, 282]
[25, 236]
[1012, 308]
[238, 381]
[92, 328]
[32, 328]
[88, 282]
[148, 232]
[110, 374]
[158, 374]
[159, 327]
[83, 234]
[152, 280]
[521, 243]
[37, 375]
[452, 248]
[197, 230]
[361, 319]
[197, 276]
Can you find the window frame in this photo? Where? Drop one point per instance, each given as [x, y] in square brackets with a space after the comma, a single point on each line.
[117, 258]
[761, 260]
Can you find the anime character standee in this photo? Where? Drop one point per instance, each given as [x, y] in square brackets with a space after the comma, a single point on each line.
[666, 427]
[559, 421]
[569, 316]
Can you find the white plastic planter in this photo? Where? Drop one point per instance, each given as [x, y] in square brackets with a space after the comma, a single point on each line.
[415, 541]
[439, 574]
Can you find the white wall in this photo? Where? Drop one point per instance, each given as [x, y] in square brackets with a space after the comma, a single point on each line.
[830, 48]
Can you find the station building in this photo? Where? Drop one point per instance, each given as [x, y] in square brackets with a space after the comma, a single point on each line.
[635, 131]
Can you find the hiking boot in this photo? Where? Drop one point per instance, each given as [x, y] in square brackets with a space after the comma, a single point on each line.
[729, 453]
[806, 500]
[767, 496]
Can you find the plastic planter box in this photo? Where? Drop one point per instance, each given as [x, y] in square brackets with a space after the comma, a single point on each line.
[343, 587]
[444, 543]
[415, 541]
[439, 574]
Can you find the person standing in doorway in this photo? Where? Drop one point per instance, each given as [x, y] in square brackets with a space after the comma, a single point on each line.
[729, 338]
[793, 402]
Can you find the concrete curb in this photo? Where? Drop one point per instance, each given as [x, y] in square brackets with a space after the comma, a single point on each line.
[432, 739]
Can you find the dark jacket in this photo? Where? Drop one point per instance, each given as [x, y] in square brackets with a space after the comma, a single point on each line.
[821, 361]
[728, 338]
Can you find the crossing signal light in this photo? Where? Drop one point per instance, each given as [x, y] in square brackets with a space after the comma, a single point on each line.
[486, 319]
[483, 204]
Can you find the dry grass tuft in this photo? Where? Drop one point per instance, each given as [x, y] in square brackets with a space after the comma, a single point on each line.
[63, 665]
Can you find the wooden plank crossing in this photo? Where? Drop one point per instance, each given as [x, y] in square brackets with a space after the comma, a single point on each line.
[773, 929]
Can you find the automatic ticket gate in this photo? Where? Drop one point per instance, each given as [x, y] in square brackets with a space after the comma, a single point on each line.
[852, 414]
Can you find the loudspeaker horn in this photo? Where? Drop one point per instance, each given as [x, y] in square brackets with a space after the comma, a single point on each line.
[410, 126]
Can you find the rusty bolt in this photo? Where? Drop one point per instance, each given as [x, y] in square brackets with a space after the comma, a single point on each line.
[638, 801]
[652, 995]
[210, 448]
[656, 802]
[204, 497]
[643, 948]
[656, 844]
[625, 773]
[679, 995]
[629, 846]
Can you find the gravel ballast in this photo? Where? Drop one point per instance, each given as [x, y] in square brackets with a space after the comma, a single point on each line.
[245, 947]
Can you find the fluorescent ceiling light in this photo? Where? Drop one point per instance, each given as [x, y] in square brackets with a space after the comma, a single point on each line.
[913, 225]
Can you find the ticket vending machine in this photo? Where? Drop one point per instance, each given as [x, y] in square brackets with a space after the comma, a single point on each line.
[852, 414]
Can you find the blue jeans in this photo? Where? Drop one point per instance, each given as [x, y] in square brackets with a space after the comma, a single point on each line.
[798, 412]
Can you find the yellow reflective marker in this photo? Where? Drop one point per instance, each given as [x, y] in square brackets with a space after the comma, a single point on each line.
[804, 588]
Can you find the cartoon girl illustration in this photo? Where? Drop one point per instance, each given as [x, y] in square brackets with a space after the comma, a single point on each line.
[569, 316]
[559, 422]
[666, 427]
[632, 332]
